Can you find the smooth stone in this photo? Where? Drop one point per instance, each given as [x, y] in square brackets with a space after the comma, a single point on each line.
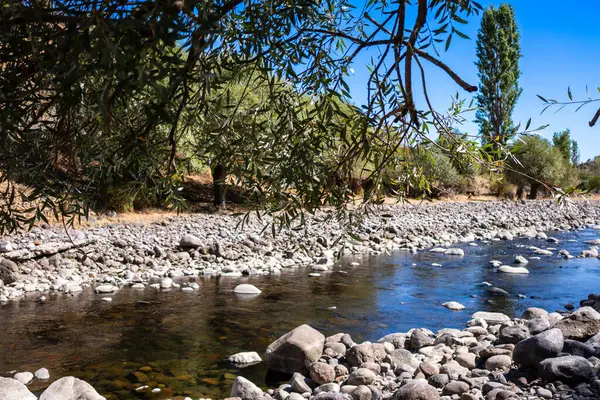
[498, 362]
[521, 260]
[246, 288]
[568, 369]
[295, 350]
[245, 358]
[454, 306]
[190, 241]
[416, 391]
[24, 377]
[531, 351]
[245, 389]
[507, 269]
[322, 373]
[361, 376]
[106, 289]
[70, 388]
[42, 374]
[12, 389]
[491, 318]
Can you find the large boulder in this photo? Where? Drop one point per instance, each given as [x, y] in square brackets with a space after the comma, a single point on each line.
[568, 369]
[245, 390]
[582, 324]
[296, 350]
[417, 390]
[365, 352]
[12, 389]
[530, 352]
[70, 388]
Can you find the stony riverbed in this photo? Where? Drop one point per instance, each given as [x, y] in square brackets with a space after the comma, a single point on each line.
[137, 255]
[204, 256]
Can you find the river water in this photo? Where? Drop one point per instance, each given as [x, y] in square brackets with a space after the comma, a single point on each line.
[177, 340]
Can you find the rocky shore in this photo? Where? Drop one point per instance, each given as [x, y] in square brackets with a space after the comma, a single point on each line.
[138, 255]
[540, 355]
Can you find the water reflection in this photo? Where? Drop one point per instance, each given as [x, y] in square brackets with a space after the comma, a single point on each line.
[177, 341]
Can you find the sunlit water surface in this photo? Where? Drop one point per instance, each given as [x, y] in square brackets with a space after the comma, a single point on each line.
[177, 340]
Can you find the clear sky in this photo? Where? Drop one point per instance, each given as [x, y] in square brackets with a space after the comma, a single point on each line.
[560, 42]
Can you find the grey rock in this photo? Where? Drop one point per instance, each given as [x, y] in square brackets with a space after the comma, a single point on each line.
[298, 384]
[569, 369]
[455, 387]
[245, 390]
[491, 318]
[190, 241]
[296, 350]
[581, 324]
[246, 289]
[42, 374]
[530, 352]
[438, 380]
[365, 352]
[513, 334]
[419, 339]
[361, 376]
[416, 391]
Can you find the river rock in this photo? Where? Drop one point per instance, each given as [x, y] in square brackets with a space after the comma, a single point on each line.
[582, 324]
[454, 370]
[245, 358]
[455, 387]
[531, 351]
[245, 288]
[454, 252]
[491, 318]
[296, 350]
[190, 241]
[12, 389]
[575, 348]
[24, 377]
[361, 376]
[245, 390]
[537, 325]
[498, 362]
[396, 339]
[298, 384]
[70, 388]
[106, 289]
[513, 334]
[322, 373]
[568, 369]
[417, 390]
[507, 269]
[365, 352]
[521, 260]
[419, 338]
[166, 283]
[454, 306]
[42, 374]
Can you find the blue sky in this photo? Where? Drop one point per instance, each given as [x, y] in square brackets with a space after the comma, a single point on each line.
[560, 42]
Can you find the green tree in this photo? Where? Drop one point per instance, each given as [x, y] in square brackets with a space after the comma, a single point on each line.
[574, 153]
[539, 165]
[498, 53]
[101, 96]
[562, 141]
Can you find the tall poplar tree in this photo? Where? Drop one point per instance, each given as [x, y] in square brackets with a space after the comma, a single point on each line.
[498, 53]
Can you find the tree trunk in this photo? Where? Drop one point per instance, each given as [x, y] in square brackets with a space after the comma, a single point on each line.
[218, 175]
[520, 192]
[534, 190]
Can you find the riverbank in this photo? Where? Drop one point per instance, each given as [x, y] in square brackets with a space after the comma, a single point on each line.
[540, 355]
[138, 255]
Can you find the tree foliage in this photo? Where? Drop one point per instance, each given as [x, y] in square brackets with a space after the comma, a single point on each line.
[562, 142]
[105, 98]
[539, 165]
[498, 54]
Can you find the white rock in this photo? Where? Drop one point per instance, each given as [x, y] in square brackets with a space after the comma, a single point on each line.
[166, 283]
[107, 299]
[24, 377]
[454, 306]
[42, 374]
[138, 286]
[247, 357]
[455, 252]
[70, 388]
[513, 270]
[106, 289]
[521, 260]
[12, 389]
[246, 288]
